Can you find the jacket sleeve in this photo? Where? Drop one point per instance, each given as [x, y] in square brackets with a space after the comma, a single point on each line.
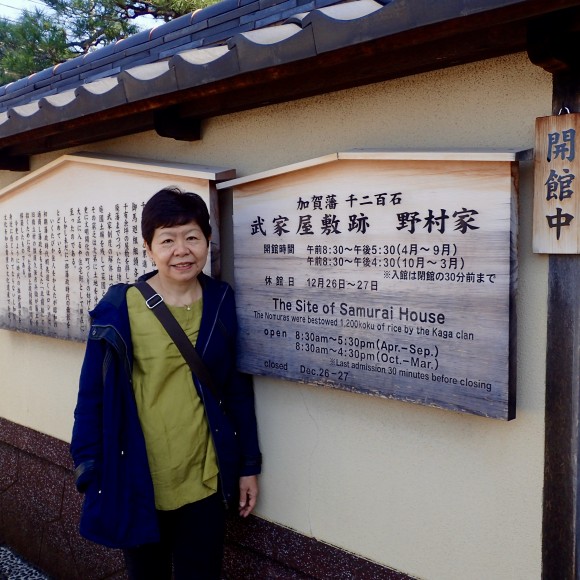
[240, 409]
[86, 443]
[239, 397]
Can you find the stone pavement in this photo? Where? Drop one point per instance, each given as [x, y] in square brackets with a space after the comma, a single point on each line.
[12, 567]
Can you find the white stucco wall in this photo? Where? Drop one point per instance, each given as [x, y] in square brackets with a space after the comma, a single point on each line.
[435, 494]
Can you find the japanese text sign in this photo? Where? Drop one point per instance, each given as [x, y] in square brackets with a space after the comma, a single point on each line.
[557, 185]
[381, 273]
[72, 229]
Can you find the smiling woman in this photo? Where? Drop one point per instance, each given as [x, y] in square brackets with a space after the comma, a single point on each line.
[158, 450]
[180, 253]
[179, 250]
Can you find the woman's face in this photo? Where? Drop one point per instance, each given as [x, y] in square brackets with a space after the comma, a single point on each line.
[179, 252]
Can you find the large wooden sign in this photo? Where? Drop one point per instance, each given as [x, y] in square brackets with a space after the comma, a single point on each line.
[384, 273]
[72, 228]
[556, 195]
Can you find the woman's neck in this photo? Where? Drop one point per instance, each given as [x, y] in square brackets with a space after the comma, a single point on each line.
[175, 294]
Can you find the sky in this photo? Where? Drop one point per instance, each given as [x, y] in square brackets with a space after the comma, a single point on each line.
[12, 8]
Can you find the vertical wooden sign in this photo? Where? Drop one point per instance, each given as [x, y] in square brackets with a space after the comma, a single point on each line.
[384, 273]
[556, 199]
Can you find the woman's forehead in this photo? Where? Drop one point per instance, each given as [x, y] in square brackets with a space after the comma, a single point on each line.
[189, 226]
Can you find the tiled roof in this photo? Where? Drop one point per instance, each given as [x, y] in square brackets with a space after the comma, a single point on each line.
[211, 26]
[231, 57]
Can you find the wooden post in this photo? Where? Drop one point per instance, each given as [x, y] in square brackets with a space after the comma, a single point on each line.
[562, 444]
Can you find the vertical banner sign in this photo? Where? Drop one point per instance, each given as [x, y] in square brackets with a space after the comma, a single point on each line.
[382, 273]
[72, 229]
[556, 195]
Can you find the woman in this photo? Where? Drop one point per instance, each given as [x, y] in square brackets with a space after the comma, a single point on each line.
[157, 455]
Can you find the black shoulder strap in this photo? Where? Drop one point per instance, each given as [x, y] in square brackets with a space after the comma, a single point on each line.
[155, 303]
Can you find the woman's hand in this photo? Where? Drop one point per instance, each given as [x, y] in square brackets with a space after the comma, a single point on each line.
[248, 494]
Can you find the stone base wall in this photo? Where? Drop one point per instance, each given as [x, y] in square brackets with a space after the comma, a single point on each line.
[40, 509]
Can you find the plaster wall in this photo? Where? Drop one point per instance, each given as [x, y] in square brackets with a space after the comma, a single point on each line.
[435, 494]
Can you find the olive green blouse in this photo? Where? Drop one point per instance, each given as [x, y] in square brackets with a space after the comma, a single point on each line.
[180, 450]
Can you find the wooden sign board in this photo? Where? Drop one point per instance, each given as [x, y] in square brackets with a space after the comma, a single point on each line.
[383, 273]
[556, 181]
[72, 229]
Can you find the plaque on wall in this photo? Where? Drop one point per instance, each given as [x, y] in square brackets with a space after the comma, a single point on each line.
[384, 273]
[72, 229]
[556, 201]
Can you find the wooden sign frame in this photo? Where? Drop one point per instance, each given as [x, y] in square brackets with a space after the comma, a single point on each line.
[72, 228]
[402, 287]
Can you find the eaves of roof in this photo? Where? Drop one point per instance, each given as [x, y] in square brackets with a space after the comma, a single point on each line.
[172, 77]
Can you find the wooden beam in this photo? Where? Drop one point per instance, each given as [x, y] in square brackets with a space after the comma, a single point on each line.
[14, 162]
[553, 41]
[561, 522]
[170, 123]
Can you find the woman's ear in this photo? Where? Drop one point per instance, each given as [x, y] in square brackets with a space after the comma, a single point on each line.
[148, 250]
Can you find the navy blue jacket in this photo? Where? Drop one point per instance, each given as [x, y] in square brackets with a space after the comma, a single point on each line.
[108, 447]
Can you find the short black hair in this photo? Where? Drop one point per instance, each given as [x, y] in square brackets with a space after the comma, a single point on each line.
[173, 207]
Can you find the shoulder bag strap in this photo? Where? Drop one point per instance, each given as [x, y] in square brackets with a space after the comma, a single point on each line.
[156, 304]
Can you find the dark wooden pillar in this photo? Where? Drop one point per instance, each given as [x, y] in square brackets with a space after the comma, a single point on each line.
[561, 524]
